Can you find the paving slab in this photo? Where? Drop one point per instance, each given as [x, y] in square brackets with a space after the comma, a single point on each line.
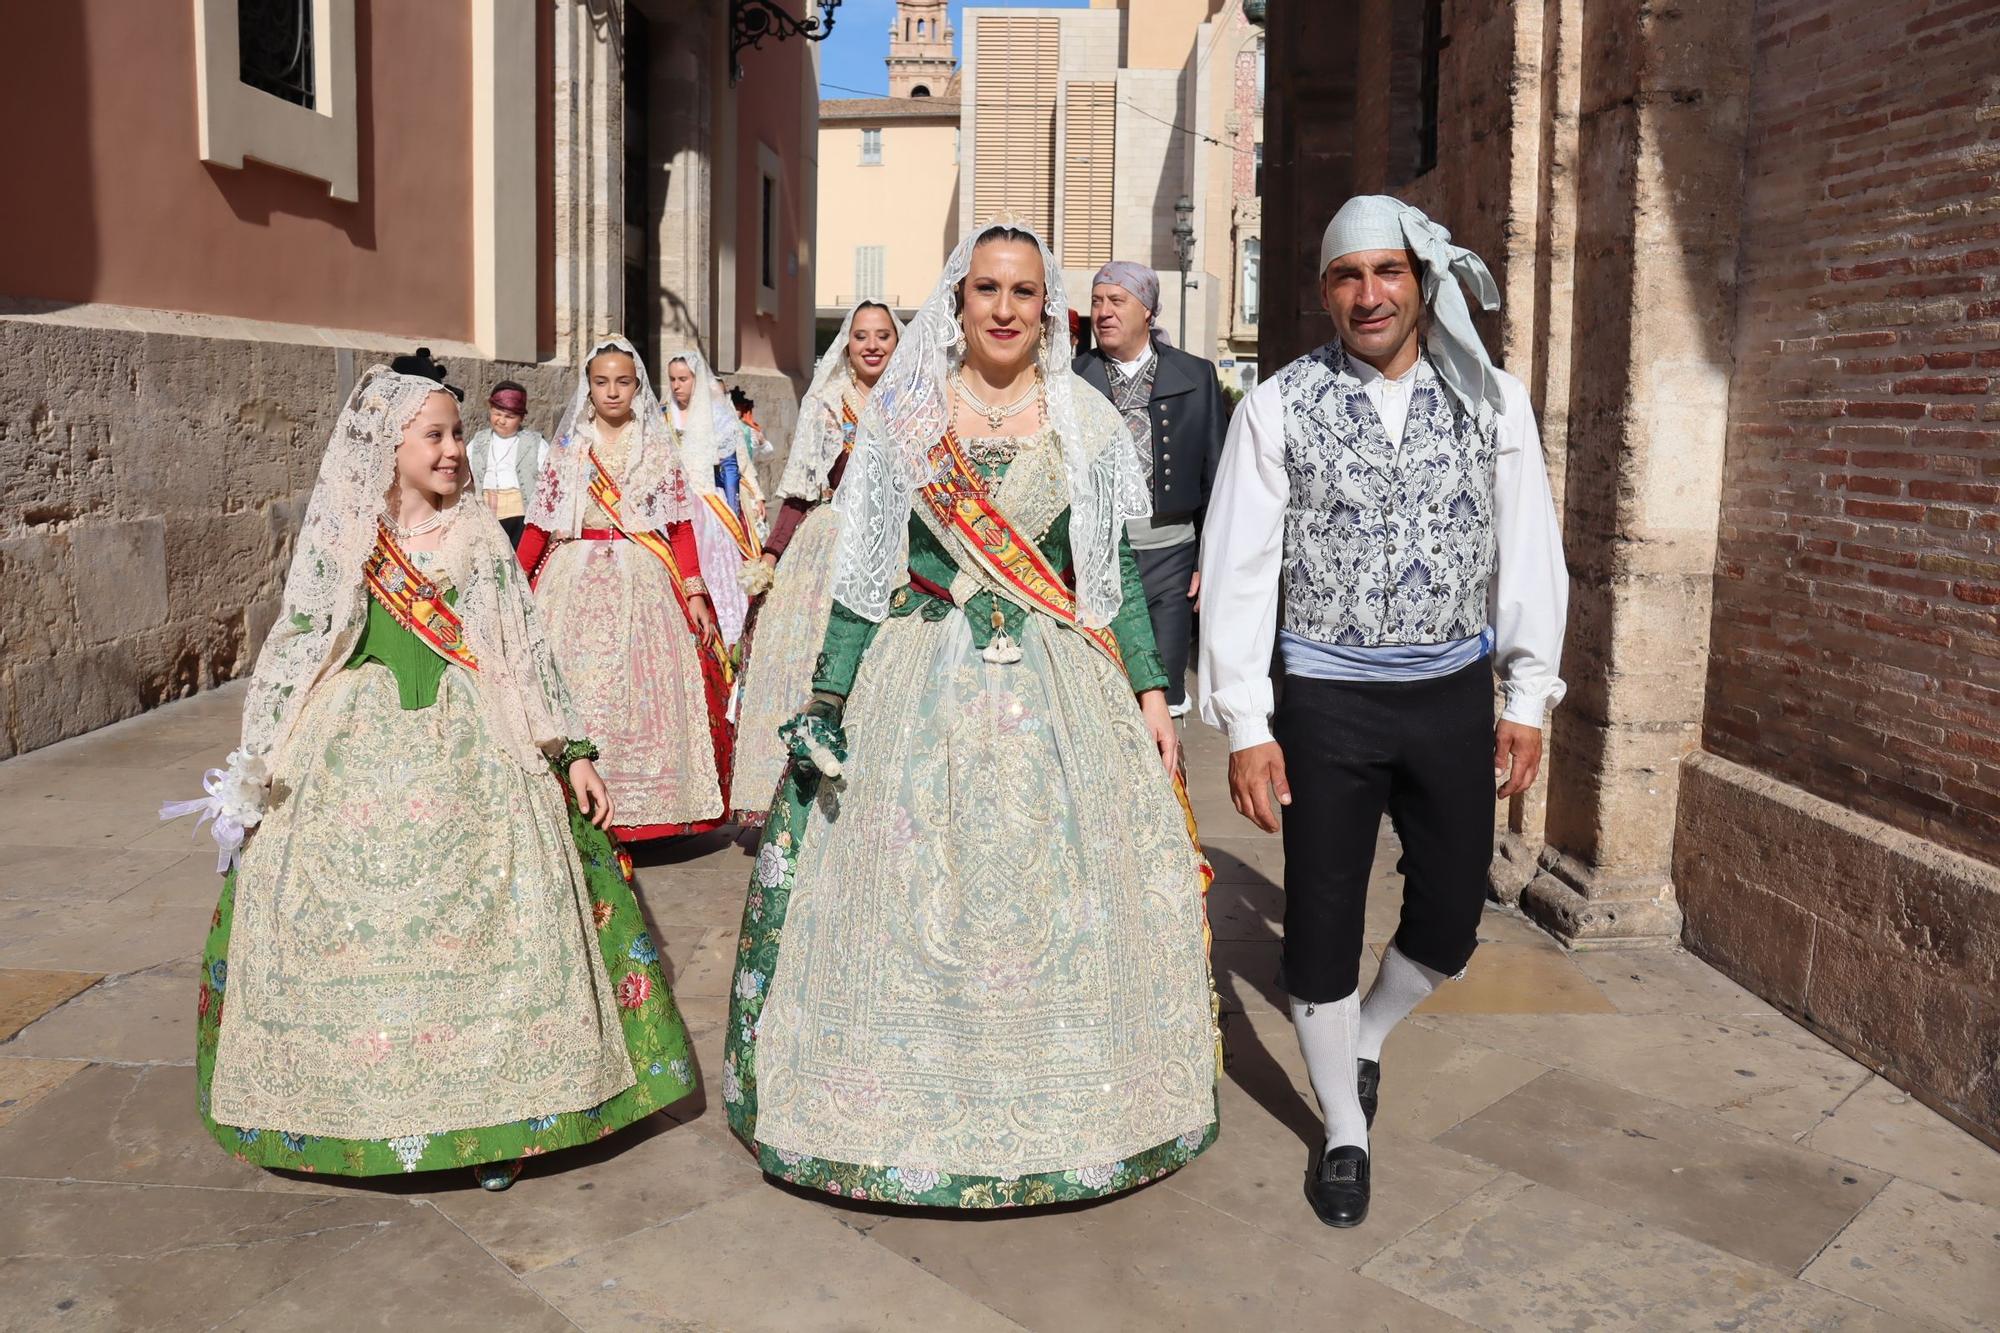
[141, 1018]
[1667, 981]
[1518, 1255]
[81, 1255]
[1513, 977]
[1754, 1196]
[24, 1082]
[128, 1125]
[1883, 1127]
[1921, 1255]
[1766, 1074]
[1255, 1173]
[26, 994]
[651, 1173]
[1155, 1259]
[163, 917]
[58, 874]
[761, 1260]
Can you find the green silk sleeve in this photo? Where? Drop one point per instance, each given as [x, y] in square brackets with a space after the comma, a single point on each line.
[840, 654]
[1133, 627]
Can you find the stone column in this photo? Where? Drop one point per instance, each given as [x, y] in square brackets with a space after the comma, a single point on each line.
[1664, 96]
[1537, 310]
[589, 179]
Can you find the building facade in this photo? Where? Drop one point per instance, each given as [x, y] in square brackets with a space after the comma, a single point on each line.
[239, 207]
[889, 208]
[1747, 257]
[1093, 125]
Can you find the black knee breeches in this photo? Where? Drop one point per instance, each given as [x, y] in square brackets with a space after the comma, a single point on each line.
[1422, 750]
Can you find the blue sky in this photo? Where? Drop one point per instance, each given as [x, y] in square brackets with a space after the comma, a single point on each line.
[851, 59]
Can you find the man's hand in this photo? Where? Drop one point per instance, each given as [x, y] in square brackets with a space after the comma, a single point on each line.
[1194, 587]
[1517, 758]
[1254, 773]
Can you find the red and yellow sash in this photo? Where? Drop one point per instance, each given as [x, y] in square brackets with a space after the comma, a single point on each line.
[963, 505]
[415, 600]
[740, 532]
[608, 497]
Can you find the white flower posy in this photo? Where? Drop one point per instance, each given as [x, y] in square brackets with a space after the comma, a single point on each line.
[235, 802]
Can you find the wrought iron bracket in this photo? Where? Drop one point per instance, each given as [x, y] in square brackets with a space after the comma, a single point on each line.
[751, 21]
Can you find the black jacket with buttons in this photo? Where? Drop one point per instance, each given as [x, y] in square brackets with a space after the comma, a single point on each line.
[1190, 417]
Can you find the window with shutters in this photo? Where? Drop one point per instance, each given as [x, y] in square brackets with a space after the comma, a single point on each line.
[1089, 153]
[870, 261]
[1014, 117]
[871, 148]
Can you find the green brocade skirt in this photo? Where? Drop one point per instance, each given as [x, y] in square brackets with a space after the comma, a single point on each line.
[654, 1036]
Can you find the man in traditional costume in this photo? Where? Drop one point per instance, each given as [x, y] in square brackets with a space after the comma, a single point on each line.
[1174, 406]
[1383, 511]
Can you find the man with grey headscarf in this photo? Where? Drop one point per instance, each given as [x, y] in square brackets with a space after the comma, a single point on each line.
[1383, 514]
[1174, 406]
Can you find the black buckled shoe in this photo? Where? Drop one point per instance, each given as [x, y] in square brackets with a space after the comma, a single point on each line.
[1368, 1084]
[1337, 1185]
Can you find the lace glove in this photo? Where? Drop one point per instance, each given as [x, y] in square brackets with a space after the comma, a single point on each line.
[815, 737]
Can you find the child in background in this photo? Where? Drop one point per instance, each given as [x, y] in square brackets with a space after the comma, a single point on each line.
[506, 460]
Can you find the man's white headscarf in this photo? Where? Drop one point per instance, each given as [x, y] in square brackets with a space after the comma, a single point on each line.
[1381, 222]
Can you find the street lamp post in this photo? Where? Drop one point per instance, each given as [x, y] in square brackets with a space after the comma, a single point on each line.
[1184, 248]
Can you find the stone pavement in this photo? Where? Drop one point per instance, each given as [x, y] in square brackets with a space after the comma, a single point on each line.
[1602, 1140]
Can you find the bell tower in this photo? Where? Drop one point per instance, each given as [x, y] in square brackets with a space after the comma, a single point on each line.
[920, 49]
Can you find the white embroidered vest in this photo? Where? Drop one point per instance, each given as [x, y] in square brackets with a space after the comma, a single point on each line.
[1385, 544]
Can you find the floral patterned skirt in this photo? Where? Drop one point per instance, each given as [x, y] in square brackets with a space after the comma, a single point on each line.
[655, 1038]
[972, 972]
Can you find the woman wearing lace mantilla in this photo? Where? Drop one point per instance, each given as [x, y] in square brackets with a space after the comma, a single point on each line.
[973, 970]
[426, 955]
[727, 505]
[791, 625]
[611, 551]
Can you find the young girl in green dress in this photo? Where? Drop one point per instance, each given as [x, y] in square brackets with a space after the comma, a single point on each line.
[427, 953]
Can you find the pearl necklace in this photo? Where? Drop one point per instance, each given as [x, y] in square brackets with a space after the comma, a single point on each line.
[996, 416]
[439, 518]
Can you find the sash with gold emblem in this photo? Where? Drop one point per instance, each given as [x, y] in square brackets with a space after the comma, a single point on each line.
[608, 497]
[415, 600]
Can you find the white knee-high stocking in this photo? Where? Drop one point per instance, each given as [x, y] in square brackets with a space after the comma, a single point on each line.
[1327, 1036]
[1399, 987]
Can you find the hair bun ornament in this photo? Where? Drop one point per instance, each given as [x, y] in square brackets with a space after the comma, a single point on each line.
[421, 364]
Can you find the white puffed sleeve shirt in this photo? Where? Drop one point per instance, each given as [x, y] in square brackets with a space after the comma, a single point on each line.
[1242, 556]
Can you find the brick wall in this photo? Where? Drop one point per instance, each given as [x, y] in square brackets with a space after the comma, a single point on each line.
[1857, 612]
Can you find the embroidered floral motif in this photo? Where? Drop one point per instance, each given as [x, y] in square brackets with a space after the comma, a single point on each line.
[634, 990]
[1388, 542]
[643, 950]
[409, 1149]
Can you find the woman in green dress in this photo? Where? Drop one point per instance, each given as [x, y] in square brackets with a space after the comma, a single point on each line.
[427, 953]
[972, 970]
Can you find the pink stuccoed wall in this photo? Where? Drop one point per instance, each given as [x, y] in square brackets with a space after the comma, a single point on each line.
[100, 106]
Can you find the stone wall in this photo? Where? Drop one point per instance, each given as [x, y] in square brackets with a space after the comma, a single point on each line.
[1853, 689]
[151, 484]
[1857, 626]
[1877, 939]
